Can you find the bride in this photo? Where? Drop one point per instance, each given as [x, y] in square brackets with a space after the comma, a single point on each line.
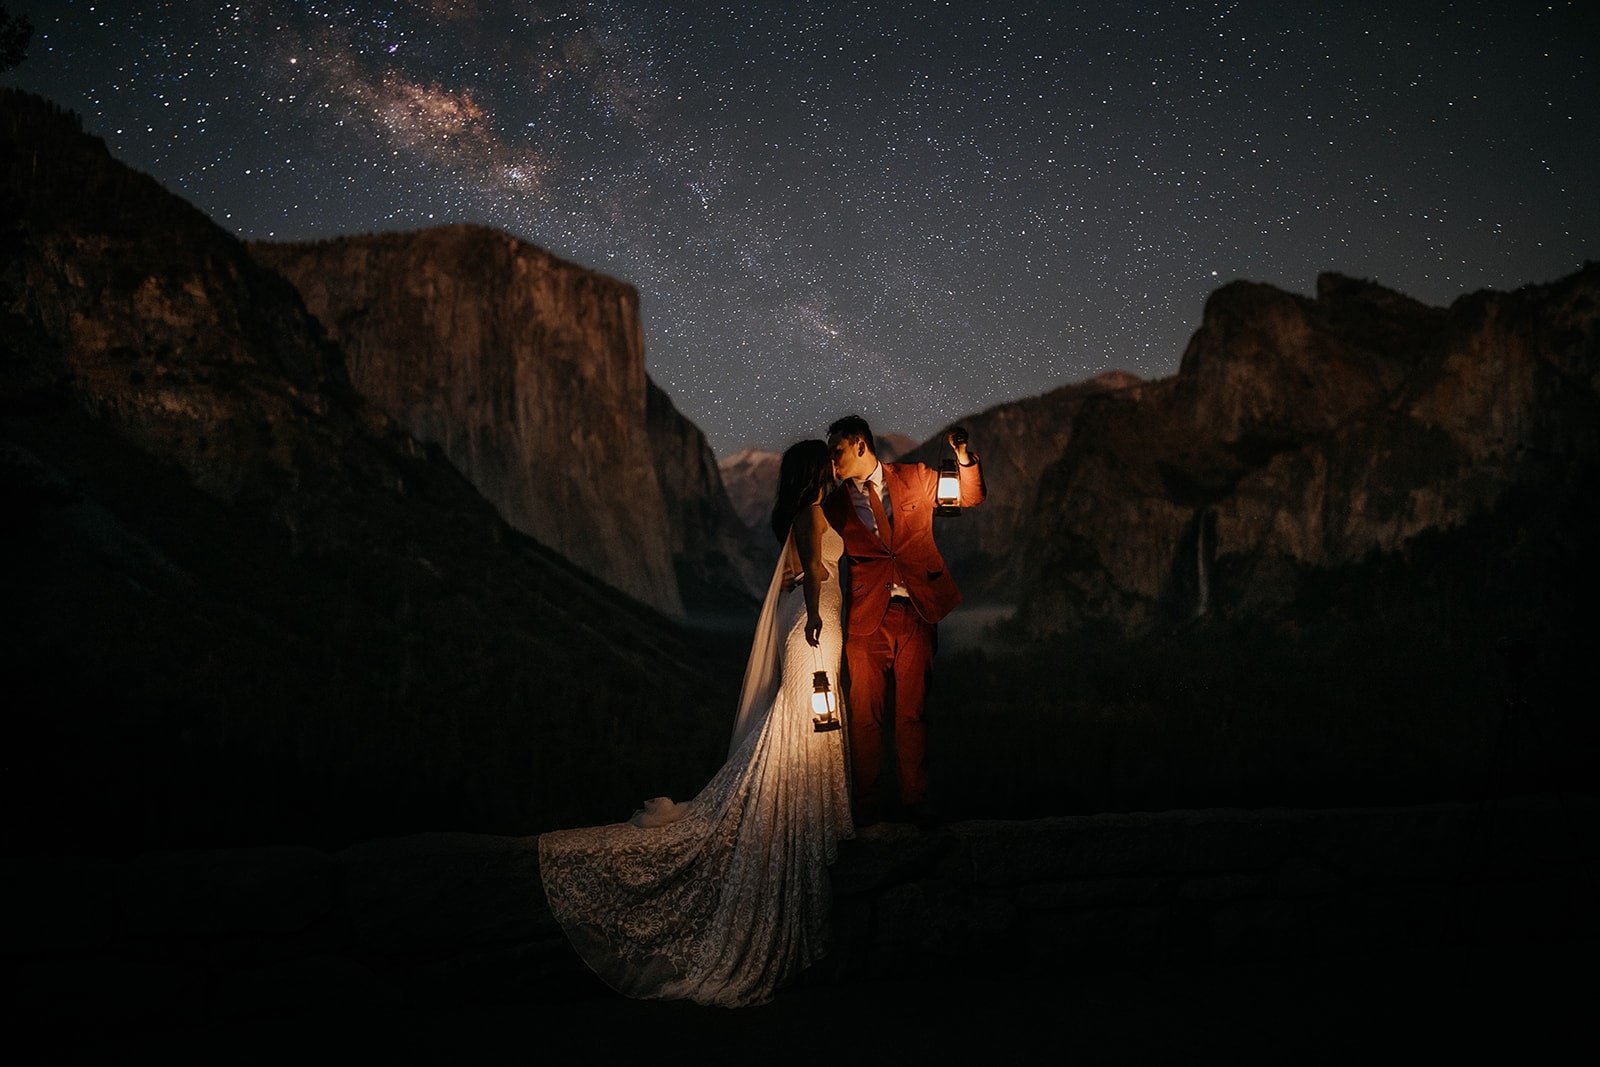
[722, 898]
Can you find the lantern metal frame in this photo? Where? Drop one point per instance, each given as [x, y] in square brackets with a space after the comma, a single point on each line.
[827, 718]
[949, 505]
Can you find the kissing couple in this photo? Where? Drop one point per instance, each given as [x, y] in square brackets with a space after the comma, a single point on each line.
[722, 898]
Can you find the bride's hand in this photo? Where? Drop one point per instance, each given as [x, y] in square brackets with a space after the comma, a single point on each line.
[813, 629]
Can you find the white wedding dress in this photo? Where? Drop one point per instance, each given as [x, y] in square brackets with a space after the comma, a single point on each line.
[722, 898]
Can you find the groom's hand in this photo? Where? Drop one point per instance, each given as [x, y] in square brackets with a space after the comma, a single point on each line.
[958, 442]
[813, 630]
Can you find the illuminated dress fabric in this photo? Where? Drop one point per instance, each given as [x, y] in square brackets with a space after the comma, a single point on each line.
[720, 899]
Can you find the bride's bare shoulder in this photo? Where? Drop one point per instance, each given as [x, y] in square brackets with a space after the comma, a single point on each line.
[822, 529]
[810, 518]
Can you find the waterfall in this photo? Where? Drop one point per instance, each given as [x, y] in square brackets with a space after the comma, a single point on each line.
[1202, 566]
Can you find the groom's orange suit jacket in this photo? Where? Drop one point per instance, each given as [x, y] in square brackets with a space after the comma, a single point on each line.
[911, 558]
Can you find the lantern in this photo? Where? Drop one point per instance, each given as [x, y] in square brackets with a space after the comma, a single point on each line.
[949, 494]
[949, 489]
[824, 706]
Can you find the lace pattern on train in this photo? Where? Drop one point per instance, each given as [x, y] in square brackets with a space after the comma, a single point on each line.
[724, 904]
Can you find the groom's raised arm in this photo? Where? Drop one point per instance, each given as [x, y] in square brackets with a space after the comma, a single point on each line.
[969, 470]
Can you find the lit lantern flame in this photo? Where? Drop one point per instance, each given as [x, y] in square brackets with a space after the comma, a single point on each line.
[824, 706]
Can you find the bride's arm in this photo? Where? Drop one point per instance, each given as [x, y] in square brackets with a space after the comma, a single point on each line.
[808, 540]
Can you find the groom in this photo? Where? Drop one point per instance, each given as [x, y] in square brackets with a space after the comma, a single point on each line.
[899, 589]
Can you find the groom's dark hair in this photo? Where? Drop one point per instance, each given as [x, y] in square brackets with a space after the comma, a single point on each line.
[854, 426]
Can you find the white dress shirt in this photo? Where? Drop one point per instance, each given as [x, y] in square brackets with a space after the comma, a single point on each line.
[864, 508]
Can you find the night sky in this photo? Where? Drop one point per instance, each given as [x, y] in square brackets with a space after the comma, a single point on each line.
[913, 211]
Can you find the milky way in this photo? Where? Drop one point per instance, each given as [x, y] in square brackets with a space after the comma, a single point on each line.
[913, 210]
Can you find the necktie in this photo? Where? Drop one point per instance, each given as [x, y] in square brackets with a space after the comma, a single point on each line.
[885, 531]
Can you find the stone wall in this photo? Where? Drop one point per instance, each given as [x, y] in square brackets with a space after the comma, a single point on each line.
[176, 939]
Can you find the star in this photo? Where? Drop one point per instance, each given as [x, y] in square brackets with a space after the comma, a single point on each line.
[834, 207]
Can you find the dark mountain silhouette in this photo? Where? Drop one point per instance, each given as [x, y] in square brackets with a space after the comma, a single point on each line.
[1344, 555]
[1299, 435]
[245, 604]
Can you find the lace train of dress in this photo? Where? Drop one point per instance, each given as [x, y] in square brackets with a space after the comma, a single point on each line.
[724, 903]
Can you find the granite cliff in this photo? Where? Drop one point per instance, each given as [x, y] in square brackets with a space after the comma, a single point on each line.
[718, 564]
[1017, 441]
[1300, 435]
[528, 373]
[1308, 434]
[1344, 554]
[246, 604]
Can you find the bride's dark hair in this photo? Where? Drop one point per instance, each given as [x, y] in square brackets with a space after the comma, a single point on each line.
[806, 468]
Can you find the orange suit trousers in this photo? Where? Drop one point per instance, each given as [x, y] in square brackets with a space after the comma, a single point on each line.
[890, 669]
